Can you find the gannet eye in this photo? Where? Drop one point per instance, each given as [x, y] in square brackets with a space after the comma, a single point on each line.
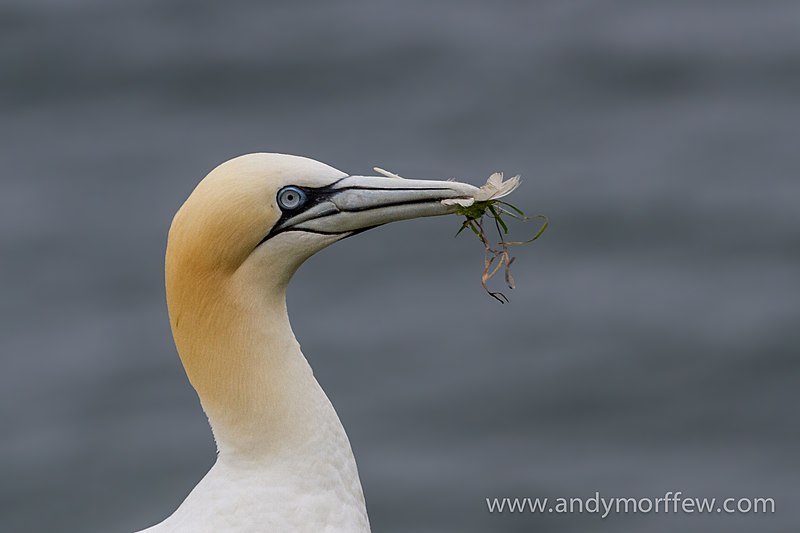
[291, 197]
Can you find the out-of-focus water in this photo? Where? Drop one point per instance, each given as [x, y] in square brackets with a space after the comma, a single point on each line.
[652, 343]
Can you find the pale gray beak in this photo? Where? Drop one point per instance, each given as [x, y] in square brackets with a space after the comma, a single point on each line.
[356, 203]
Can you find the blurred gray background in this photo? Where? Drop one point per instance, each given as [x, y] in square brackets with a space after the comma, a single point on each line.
[652, 343]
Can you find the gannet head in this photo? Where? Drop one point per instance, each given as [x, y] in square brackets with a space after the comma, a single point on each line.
[232, 249]
[279, 209]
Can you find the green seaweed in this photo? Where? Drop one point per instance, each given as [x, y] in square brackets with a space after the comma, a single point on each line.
[497, 255]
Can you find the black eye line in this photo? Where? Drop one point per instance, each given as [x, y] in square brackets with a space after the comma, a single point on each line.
[314, 196]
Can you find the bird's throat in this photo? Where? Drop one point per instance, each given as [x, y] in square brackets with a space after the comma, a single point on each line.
[233, 335]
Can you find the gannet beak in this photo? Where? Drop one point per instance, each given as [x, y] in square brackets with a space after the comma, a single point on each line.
[357, 203]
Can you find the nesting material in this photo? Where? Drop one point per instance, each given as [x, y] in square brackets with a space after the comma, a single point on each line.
[487, 204]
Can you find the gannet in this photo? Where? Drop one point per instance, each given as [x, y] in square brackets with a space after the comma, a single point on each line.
[284, 462]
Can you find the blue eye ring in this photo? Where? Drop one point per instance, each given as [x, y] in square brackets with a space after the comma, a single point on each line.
[291, 197]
